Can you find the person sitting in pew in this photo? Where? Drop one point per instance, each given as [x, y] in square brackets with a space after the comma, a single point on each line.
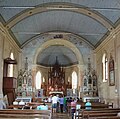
[88, 105]
[21, 102]
[42, 107]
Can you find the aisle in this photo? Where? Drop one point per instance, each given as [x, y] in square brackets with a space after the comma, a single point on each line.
[60, 116]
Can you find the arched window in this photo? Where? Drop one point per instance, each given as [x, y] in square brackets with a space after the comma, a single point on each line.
[104, 68]
[68, 80]
[10, 66]
[38, 80]
[43, 79]
[74, 80]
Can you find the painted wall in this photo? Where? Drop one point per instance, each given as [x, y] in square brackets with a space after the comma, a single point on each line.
[110, 46]
[7, 45]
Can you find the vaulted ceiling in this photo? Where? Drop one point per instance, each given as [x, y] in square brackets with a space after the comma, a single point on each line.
[90, 20]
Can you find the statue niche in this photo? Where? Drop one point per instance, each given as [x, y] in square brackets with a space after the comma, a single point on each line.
[56, 78]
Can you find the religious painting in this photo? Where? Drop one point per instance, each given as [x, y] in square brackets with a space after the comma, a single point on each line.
[111, 72]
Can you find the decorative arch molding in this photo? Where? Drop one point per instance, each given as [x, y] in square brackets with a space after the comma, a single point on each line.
[60, 6]
[65, 34]
[59, 42]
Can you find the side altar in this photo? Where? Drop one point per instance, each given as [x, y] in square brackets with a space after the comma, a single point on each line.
[90, 84]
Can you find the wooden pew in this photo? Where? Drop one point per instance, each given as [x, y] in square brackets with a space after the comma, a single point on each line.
[10, 113]
[108, 117]
[97, 105]
[32, 105]
[97, 113]
[30, 116]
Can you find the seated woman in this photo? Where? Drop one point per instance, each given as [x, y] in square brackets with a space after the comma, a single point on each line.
[42, 107]
[88, 105]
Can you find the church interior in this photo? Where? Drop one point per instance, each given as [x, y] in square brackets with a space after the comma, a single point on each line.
[63, 47]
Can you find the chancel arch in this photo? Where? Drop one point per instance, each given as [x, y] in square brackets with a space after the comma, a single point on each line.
[68, 70]
[59, 42]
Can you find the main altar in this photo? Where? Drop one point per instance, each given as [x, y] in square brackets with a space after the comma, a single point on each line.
[56, 79]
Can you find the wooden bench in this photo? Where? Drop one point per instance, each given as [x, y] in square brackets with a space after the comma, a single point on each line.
[38, 116]
[97, 113]
[109, 117]
[32, 105]
[10, 113]
[94, 106]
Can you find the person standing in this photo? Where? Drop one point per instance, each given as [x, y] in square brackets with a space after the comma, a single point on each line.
[54, 103]
[57, 109]
[65, 104]
[73, 107]
[61, 100]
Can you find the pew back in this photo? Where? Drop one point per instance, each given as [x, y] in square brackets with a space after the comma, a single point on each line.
[10, 113]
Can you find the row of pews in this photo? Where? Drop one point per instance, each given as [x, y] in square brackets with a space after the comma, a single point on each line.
[98, 111]
[96, 105]
[101, 113]
[26, 114]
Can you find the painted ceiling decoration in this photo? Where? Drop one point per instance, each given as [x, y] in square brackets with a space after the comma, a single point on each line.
[89, 21]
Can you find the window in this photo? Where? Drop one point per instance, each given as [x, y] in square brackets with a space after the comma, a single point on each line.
[38, 80]
[74, 81]
[104, 68]
[43, 79]
[10, 66]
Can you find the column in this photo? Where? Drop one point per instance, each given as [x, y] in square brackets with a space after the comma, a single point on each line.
[1, 63]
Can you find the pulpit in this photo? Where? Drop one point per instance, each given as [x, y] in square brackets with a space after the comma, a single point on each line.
[56, 79]
[9, 83]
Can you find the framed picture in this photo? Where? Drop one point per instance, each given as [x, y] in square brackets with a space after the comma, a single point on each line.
[112, 78]
[111, 72]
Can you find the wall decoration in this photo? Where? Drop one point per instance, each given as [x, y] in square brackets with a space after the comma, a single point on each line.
[111, 72]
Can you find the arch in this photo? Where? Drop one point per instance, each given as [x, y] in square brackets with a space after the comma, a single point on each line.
[60, 6]
[65, 32]
[59, 42]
